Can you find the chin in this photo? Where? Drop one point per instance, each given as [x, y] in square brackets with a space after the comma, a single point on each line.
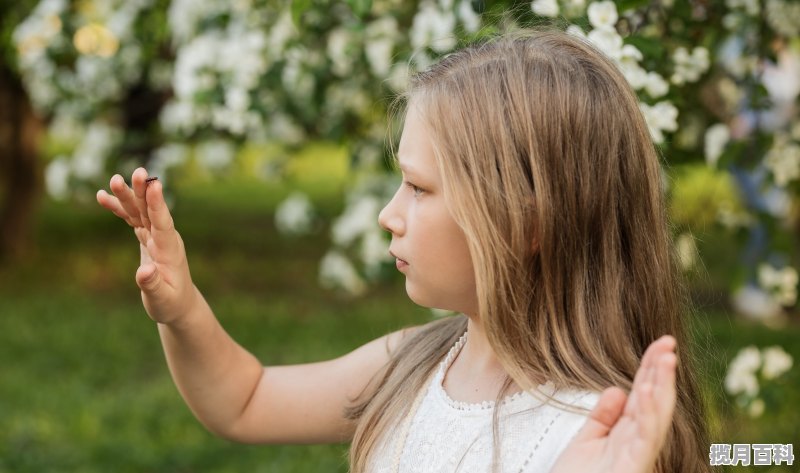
[426, 299]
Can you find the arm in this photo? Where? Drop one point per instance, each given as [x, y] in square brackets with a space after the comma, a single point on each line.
[225, 386]
[625, 433]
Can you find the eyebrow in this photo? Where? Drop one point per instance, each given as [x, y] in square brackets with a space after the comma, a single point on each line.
[406, 168]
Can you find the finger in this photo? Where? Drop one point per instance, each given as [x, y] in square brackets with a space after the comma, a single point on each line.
[139, 184]
[655, 399]
[112, 203]
[144, 255]
[665, 389]
[604, 416]
[126, 198]
[162, 226]
[150, 281]
[653, 351]
[645, 373]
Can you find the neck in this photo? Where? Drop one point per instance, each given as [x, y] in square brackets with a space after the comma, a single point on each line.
[477, 352]
[476, 374]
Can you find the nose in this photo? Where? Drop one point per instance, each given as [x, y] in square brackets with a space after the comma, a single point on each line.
[390, 218]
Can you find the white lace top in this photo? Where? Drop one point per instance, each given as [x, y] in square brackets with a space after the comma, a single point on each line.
[446, 436]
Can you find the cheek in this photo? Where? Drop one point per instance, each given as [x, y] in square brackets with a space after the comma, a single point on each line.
[444, 276]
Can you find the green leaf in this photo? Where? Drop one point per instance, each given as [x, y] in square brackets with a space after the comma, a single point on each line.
[623, 5]
[360, 7]
[298, 8]
[651, 48]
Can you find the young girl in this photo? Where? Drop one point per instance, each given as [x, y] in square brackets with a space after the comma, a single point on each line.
[531, 204]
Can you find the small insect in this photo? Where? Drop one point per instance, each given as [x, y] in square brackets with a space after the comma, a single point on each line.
[151, 179]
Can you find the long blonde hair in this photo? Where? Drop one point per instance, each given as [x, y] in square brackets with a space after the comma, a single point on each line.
[549, 169]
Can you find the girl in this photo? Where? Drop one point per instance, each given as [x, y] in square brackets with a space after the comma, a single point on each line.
[517, 209]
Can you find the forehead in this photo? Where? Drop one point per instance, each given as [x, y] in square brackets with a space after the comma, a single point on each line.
[415, 153]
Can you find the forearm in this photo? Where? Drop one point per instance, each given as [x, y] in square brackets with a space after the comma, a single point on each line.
[214, 374]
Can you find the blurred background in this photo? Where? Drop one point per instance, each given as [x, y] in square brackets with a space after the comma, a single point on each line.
[268, 121]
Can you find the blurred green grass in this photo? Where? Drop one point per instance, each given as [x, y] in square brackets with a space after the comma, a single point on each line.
[83, 384]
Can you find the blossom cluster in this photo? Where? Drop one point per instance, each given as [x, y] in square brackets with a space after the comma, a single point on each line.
[258, 72]
[603, 17]
[748, 367]
[108, 60]
[781, 283]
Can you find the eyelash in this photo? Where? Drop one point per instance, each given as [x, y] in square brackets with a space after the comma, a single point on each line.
[417, 191]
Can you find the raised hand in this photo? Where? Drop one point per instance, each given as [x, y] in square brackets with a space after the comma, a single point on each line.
[625, 433]
[163, 275]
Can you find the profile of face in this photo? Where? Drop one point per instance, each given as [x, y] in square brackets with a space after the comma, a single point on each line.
[430, 247]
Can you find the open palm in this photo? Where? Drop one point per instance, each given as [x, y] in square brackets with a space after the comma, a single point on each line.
[625, 433]
[163, 274]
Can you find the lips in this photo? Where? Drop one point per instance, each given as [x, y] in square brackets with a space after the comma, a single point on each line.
[401, 263]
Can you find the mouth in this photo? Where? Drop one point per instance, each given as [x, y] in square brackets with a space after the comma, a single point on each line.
[400, 263]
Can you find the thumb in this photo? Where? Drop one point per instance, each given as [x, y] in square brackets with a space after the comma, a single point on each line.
[148, 279]
[604, 415]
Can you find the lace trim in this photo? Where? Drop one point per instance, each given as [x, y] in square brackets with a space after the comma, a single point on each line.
[477, 406]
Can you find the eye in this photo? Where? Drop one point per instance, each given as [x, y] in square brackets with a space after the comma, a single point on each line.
[417, 190]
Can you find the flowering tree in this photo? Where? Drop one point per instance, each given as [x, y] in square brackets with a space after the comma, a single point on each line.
[20, 133]
[150, 81]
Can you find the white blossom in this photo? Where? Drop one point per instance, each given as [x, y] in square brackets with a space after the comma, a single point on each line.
[655, 85]
[545, 7]
[237, 99]
[781, 282]
[776, 362]
[433, 28]
[741, 377]
[689, 67]
[783, 160]
[167, 156]
[755, 303]
[359, 217]
[56, 177]
[283, 128]
[784, 17]
[576, 30]
[294, 215]
[179, 116]
[603, 15]
[380, 36]
[339, 51]
[88, 160]
[65, 127]
[468, 17]
[741, 382]
[660, 117]
[336, 271]
[777, 201]
[782, 81]
[281, 32]
[374, 250]
[716, 137]
[608, 41]
[634, 74]
[751, 7]
[215, 154]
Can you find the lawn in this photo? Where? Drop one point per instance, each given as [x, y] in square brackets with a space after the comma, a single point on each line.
[84, 386]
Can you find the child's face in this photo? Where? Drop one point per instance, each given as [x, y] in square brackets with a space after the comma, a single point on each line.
[430, 247]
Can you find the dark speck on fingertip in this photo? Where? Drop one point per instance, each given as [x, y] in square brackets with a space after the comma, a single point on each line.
[151, 179]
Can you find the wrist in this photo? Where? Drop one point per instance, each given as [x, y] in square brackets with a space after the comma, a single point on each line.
[190, 312]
